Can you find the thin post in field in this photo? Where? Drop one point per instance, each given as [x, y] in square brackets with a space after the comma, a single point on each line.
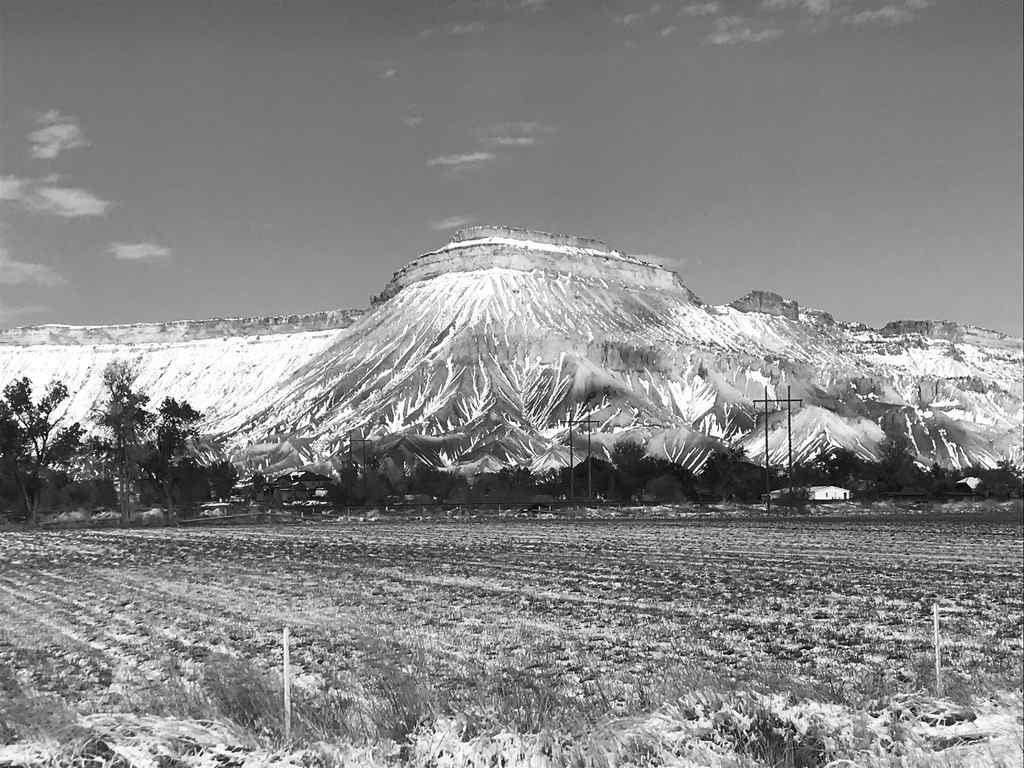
[287, 686]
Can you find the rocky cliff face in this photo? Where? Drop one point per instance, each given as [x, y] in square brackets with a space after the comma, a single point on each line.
[768, 303]
[480, 352]
[179, 330]
[480, 248]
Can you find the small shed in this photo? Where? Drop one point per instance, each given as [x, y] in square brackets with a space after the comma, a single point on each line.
[828, 493]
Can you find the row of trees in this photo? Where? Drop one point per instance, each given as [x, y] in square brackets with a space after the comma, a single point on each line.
[727, 475]
[135, 451]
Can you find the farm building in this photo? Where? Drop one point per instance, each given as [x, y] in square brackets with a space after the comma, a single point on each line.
[828, 493]
[812, 493]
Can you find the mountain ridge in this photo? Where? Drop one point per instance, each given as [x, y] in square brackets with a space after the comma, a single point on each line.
[476, 355]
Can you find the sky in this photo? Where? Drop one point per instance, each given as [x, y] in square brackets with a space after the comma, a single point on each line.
[191, 159]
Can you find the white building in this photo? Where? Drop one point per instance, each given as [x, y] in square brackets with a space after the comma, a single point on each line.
[828, 493]
[970, 482]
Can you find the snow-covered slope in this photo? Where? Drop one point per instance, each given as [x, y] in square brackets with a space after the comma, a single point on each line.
[477, 355]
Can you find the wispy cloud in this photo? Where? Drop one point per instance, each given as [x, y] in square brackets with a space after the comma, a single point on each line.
[521, 133]
[891, 15]
[14, 272]
[452, 222]
[701, 9]
[12, 188]
[69, 202]
[628, 19]
[525, 127]
[511, 141]
[412, 120]
[813, 7]
[58, 133]
[737, 30]
[458, 29]
[465, 28]
[456, 161]
[46, 196]
[667, 31]
[388, 73]
[139, 251]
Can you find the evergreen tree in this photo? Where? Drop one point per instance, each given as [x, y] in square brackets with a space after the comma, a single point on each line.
[222, 476]
[167, 453]
[125, 419]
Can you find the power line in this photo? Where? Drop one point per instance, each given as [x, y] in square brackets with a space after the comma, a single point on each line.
[363, 441]
[788, 400]
[572, 464]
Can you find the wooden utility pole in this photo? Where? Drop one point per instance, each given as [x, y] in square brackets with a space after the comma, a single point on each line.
[572, 458]
[789, 430]
[287, 686]
[362, 441]
[572, 463]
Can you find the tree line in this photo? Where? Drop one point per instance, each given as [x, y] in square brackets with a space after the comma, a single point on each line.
[153, 454]
[134, 450]
[630, 475]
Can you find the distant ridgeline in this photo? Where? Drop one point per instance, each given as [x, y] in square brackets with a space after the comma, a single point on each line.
[179, 330]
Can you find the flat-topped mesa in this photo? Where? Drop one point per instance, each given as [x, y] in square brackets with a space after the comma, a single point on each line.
[527, 250]
[178, 330]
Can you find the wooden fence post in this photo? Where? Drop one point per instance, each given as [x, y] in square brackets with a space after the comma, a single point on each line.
[938, 666]
[287, 688]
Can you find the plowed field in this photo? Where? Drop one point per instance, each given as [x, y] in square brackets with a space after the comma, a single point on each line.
[83, 612]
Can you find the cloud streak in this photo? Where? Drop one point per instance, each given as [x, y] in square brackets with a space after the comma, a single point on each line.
[813, 7]
[737, 30]
[452, 222]
[67, 202]
[58, 133]
[12, 188]
[701, 9]
[887, 15]
[46, 196]
[139, 251]
[511, 141]
[522, 133]
[457, 161]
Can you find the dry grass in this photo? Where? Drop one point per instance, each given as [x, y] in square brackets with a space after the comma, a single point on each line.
[231, 715]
